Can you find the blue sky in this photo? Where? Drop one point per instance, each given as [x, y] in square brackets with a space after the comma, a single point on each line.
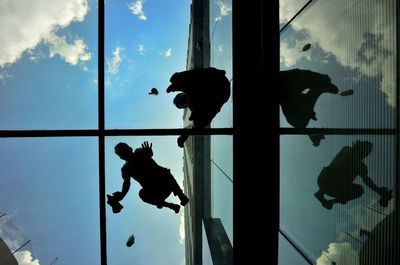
[48, 80]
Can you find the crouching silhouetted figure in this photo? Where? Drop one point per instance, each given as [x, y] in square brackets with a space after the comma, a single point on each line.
[336, 180]
[157, 182]
[204, 91]
[299, 92]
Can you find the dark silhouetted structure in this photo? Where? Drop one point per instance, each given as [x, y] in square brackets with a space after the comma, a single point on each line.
[300, 90]
[204, 91]
[336, 180]
[157, 182]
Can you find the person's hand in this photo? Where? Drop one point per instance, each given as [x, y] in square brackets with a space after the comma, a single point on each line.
[147, 148]
[145, 145]
[118, 195]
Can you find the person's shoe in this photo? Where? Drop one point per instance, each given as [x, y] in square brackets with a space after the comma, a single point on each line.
[327, 204]
[181, 140]
[183, 198]
[176, 208]
[385, 198]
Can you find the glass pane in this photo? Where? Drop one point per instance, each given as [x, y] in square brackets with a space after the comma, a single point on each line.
[288, 255]
[144, 46]
[222, 181]
[49, 200]
[350, 49]
[206, 258]
[48, 64]
[159, 233]
[221, 52]
[323, 194]
[288, 9]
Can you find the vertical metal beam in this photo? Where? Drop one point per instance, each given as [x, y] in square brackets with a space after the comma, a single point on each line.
[397, 154]
[102, 193]
[256, 130]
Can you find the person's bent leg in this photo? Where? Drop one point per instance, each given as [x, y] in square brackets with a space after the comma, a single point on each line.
[176, 189]
[325, 203]
[152, 197]
[353, 191]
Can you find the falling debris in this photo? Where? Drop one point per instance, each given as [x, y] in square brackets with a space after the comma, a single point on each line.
[131, 241]
[347, 93]
[306, 47]
[153, 91]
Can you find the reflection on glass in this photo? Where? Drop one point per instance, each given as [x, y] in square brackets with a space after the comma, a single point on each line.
[354, 43]
[288, 255]
[144, 47]
[288, 9]
[222, 181]
[48, 65]
[221, 51]
[49, 203]
[336, 180]
[361, 173]
[159, 233]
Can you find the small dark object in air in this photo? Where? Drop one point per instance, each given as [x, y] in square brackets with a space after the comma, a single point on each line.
[347, 92]
[153, 91]
[306, 47]
[131, 241]
[115, 205]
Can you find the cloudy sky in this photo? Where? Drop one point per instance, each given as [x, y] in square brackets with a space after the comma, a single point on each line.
[356, 47]
[48, 80]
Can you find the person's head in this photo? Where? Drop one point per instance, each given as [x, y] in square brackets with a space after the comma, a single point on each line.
[181, 100]
[362, 148]
[123, 150]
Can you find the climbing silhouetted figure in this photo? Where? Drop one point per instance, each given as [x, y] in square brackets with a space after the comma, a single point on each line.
[299, 92]
[204, 91]
[157, 182]
[336, 180]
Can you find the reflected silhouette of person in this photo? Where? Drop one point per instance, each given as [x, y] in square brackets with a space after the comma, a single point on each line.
[157, 182]
[300, 90]
[336, 180]
[204, 91]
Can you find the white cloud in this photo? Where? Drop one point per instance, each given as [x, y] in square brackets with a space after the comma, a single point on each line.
[26, 23]
[114, 63]
[24, 257]
[137, 9]
[71, 53]
[141, 49]
[369, 47]
[290, 56]
[224, 10]
[182, 228]
[341, 253]
[168, 53]
[4, 76]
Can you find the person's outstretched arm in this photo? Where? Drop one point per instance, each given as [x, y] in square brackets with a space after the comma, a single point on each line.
[368, 181]
[119, 195]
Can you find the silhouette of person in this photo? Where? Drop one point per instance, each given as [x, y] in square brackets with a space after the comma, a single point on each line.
[157, 182]
[204, 91]
[336, 180]
[300, 90]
